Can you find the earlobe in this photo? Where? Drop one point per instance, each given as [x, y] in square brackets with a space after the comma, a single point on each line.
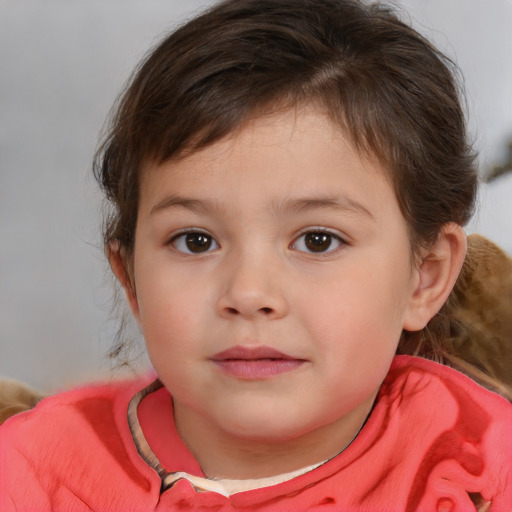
[117, 259]
[436, 276]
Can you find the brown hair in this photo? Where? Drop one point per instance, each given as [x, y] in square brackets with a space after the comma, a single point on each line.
[388, 88]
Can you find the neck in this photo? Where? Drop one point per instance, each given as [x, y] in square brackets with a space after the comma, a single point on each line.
[222, 455]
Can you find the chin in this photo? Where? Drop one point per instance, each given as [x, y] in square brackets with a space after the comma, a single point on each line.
[263, 428]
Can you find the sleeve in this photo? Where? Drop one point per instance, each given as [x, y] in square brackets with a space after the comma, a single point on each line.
[74, 451]
[20, 487]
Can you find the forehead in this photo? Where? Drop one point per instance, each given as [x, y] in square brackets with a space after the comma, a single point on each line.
[299, 152]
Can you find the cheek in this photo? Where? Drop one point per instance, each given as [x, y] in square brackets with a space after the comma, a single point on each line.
[169, 323]
[169, 309]
[356, 314]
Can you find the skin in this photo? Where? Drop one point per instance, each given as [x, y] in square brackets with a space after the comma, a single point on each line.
[338, 311]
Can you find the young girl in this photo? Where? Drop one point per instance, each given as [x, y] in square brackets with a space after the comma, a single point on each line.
[288, 181]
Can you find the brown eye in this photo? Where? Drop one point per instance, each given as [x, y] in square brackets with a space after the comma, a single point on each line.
[317, 242]
[198, 242]
[194, 243]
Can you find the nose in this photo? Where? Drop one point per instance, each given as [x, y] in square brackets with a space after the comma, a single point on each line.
[252, 287]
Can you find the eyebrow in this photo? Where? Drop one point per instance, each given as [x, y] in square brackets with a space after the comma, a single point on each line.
[289, 206]
[195, 205]
[299, 205]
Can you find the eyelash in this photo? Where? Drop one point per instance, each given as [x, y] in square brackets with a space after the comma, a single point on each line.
[181, 241]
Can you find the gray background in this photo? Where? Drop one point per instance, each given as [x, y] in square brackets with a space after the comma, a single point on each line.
[62, 63]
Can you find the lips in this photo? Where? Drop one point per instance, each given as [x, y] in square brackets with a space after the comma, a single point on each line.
[250, 353]
[255, 363]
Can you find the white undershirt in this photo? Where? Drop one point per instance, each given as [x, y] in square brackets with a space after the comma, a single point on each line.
[227, 487]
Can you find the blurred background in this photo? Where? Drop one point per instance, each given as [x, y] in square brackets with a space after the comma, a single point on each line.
[62, 64]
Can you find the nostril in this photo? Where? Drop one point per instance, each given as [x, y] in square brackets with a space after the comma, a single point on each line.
[232, 311]
[267, 311]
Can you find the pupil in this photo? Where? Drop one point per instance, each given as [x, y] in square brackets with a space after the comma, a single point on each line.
[318, 242]
[197, 242]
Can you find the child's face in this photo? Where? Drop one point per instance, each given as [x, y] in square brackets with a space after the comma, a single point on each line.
[273, 279]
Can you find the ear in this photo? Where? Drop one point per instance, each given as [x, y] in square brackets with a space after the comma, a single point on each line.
[437, 273]
[120, 266]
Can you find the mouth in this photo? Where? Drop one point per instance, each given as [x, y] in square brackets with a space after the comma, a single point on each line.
[255, 363]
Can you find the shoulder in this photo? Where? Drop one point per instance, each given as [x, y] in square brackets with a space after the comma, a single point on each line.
[420, 379]
[79, 439]
[68, 414]
[69, 423]
[445, 397]
[78, 405]
[457, 432]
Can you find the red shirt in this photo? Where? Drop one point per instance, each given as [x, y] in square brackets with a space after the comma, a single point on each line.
[435, 441]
